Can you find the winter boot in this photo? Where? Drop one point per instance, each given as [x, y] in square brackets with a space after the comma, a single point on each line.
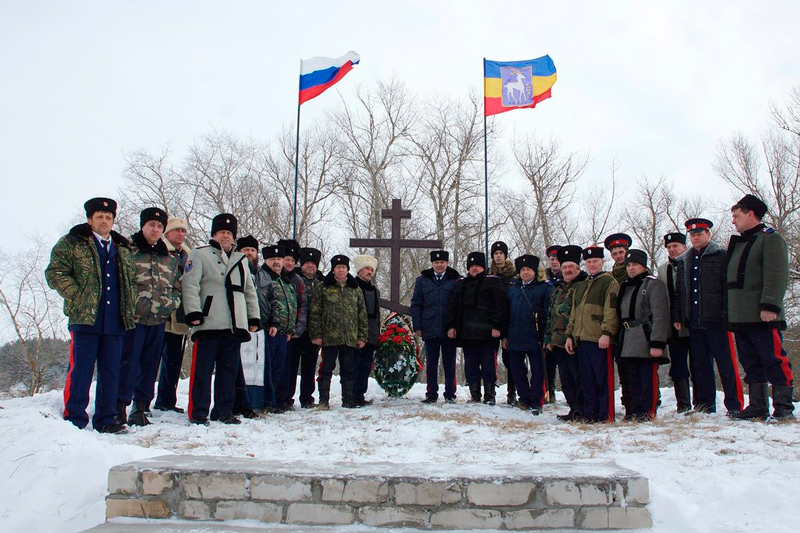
[488, 392]
[512, 398]
[759, 403]
[137, 416]
[348, 400]
[122, 414]
[324, 389]
[475, 392]
[683, 395]
[551, 395]
[782, 403]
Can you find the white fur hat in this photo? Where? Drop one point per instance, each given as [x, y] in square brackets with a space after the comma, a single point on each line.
[175, 223]
[361, 261]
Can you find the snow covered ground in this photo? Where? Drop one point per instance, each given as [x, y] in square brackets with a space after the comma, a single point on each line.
[706, 473]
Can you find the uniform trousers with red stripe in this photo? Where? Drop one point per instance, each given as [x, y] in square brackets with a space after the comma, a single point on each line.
[447, 348]
[86, 349]
[597, 381]
[707, 346]
[223, 354]
[763, 357]
[530, 392]
[643, 381]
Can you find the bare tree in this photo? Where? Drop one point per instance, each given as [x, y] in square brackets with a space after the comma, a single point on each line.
[552, 175]
[645, 216]
[30, 310]
[597, 215]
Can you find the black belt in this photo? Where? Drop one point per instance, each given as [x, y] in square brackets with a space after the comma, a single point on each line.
[628, 324]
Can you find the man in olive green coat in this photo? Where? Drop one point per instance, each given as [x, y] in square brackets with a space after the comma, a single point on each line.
[758, 275]
[92, 269]
[339, 324]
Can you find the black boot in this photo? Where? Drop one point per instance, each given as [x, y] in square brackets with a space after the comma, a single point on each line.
[475, 392]
[122, 414]
[137, 416]
[783, 408]
[551, 396]
[324, 388]
[489, 392]
[683, 395]
[759, 403]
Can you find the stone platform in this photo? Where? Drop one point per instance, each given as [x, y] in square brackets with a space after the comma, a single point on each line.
[423, 496]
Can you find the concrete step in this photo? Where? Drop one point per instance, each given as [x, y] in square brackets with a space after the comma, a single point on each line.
[574, 495]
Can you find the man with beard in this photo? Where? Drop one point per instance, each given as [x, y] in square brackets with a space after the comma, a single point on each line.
[365, 270]
[158, 295]
[618, 245]
[678, 342]
[303, 354]
[758, 276]
[591, 333]
[477, 313]
[503, 268]
[92, 268]
[221, 305]
[432, 291]
[176, 329]
[555, 338]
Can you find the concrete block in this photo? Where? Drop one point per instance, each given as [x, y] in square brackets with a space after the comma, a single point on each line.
[123, 480]
[571, 493]
[427, 493]
[194, 510]
[319, 514]
[596, 518]
[355, 490]
[497, 494]
[466, 519]
[392, 517]
[538, 519]
[155, 483]
[261, 511]
[137, 508]
[216, 486]
[638, 491]
[278, 488]
[629, 518]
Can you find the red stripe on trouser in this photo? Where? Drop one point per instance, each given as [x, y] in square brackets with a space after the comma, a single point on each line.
[544, 389]
[191, 378]
[68, 384]
[610, 373]
[654, 400]
[735, 363]
[495, 362]
[777, 346]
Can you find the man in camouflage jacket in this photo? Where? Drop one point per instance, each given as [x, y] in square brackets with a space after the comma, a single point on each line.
[591, 333]
[286, 298]
[158, 296]
[338, 324]
[92, 269]
[555, 336]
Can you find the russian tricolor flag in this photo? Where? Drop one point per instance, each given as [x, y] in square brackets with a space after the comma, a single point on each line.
[319, 73]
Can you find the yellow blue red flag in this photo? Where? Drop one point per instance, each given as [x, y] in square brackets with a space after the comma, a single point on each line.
[510, 85]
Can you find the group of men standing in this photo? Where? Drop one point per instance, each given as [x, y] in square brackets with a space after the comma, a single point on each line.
[706, 307]
[256, 322]
[132, 302]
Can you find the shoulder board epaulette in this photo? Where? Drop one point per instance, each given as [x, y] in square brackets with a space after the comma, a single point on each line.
[202, 246]
[650, 276]
[493, 276]
[768, 230]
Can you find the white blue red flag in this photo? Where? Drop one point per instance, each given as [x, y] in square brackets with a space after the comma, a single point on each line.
[320, 73]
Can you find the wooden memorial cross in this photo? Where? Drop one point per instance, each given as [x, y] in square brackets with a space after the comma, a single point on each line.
[397, 214]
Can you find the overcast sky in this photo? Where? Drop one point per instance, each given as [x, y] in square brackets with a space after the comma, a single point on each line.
[654, 84]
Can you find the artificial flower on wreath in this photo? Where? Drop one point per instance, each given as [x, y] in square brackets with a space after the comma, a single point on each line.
[397, 362]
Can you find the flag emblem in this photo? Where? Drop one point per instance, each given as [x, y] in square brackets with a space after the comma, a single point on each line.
[517, 86]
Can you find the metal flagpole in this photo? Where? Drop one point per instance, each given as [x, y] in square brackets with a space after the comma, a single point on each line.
[296, 158]
[485, 170]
